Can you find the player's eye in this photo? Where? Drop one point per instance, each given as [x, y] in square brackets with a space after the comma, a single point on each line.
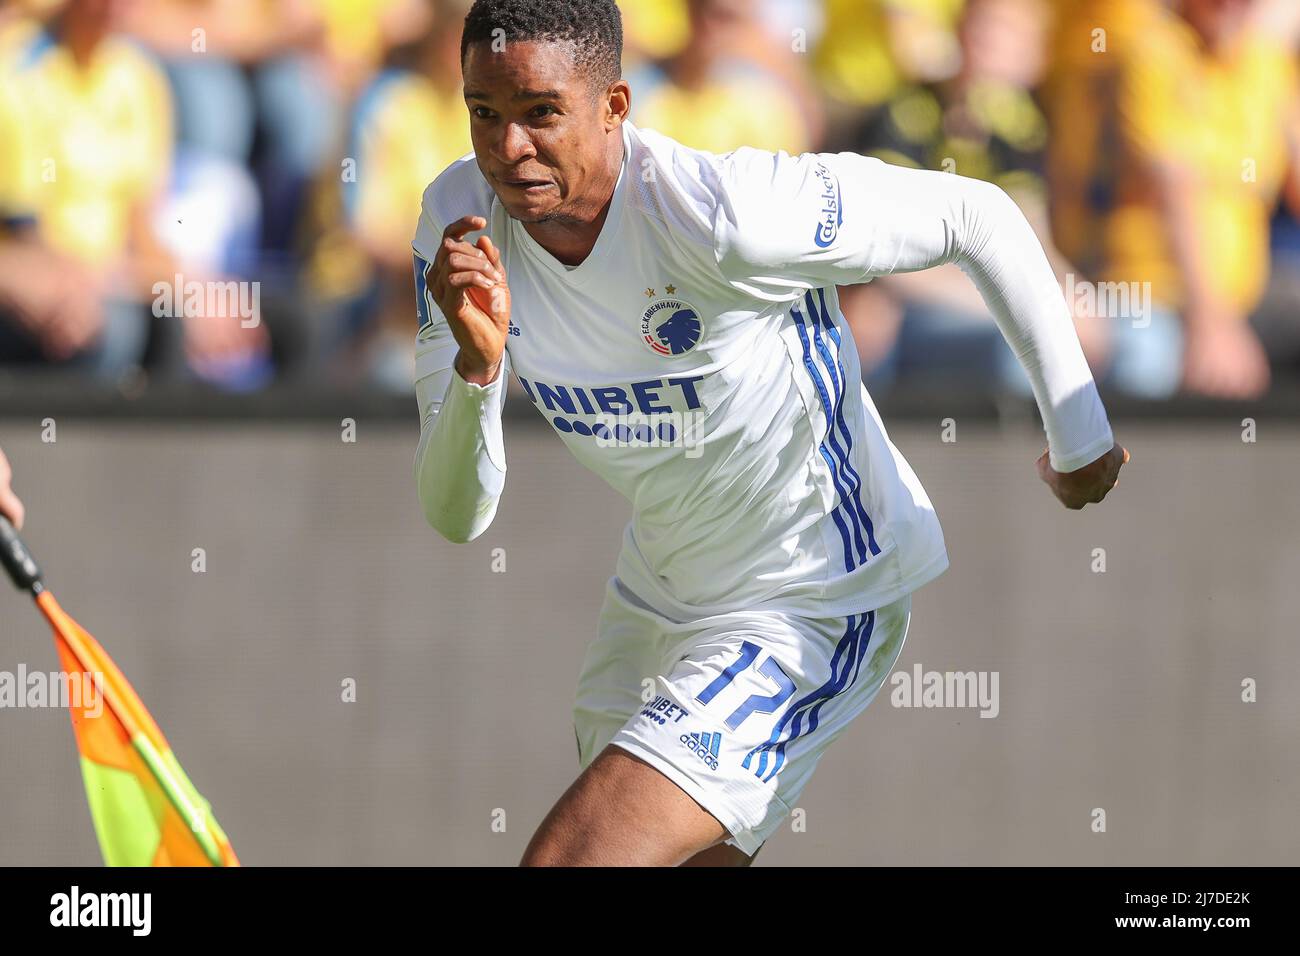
[480, 112]
[542, 111]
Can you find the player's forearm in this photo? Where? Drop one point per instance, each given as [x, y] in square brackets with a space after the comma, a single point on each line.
[922, 218]
[460, 464]
[994, 244]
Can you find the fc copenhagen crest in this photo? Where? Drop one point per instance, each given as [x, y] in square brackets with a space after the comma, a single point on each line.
[671, 326]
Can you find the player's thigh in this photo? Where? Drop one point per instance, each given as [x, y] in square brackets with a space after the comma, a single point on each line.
[617, 668]
[749, 706]
[622, 812]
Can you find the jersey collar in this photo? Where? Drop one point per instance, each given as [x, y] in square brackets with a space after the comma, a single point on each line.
[606, 241]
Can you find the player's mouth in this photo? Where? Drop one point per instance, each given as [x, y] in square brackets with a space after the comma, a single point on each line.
[529, 187]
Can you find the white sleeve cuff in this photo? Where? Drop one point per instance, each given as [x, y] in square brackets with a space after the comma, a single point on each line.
[1074, 460]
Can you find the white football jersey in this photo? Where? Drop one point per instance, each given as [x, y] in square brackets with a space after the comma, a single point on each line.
[697, 361]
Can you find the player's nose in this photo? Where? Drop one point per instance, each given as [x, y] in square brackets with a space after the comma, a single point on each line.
[515, 144]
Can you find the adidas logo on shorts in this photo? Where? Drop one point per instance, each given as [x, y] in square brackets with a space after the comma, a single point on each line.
[704, 746]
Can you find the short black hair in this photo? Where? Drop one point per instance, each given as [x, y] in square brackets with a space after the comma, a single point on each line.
[594, 27]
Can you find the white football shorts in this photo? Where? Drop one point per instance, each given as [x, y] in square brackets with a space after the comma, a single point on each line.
[736, 708]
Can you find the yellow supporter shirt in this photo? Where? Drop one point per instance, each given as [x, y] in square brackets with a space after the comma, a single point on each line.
[654, 28]
[854, 62]
[411, 133]
[728, 112]
[94, 141]
[17, 173]
[1155, 94]
[354, 29]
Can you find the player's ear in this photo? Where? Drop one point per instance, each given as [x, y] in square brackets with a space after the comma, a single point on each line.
[618, 103]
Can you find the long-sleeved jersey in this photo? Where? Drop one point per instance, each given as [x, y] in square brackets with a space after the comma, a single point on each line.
[697, 361]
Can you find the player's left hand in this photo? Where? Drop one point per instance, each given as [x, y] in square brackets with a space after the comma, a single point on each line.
[1086, 485]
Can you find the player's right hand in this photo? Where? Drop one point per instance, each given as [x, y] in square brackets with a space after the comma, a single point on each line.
[469, 284]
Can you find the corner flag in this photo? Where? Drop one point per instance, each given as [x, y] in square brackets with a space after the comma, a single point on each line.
[145, 810]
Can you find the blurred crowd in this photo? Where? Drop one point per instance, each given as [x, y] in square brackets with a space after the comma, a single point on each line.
[226, 190]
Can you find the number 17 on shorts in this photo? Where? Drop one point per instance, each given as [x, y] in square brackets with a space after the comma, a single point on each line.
[748, 707]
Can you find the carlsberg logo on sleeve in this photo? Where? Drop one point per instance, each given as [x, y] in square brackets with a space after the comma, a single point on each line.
[102, 909]
[832, 208]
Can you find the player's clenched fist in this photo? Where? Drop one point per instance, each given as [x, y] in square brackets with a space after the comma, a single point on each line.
[1086, 485]
[469, 284]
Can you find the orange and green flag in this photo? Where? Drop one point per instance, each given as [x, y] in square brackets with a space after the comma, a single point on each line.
[145, 809]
